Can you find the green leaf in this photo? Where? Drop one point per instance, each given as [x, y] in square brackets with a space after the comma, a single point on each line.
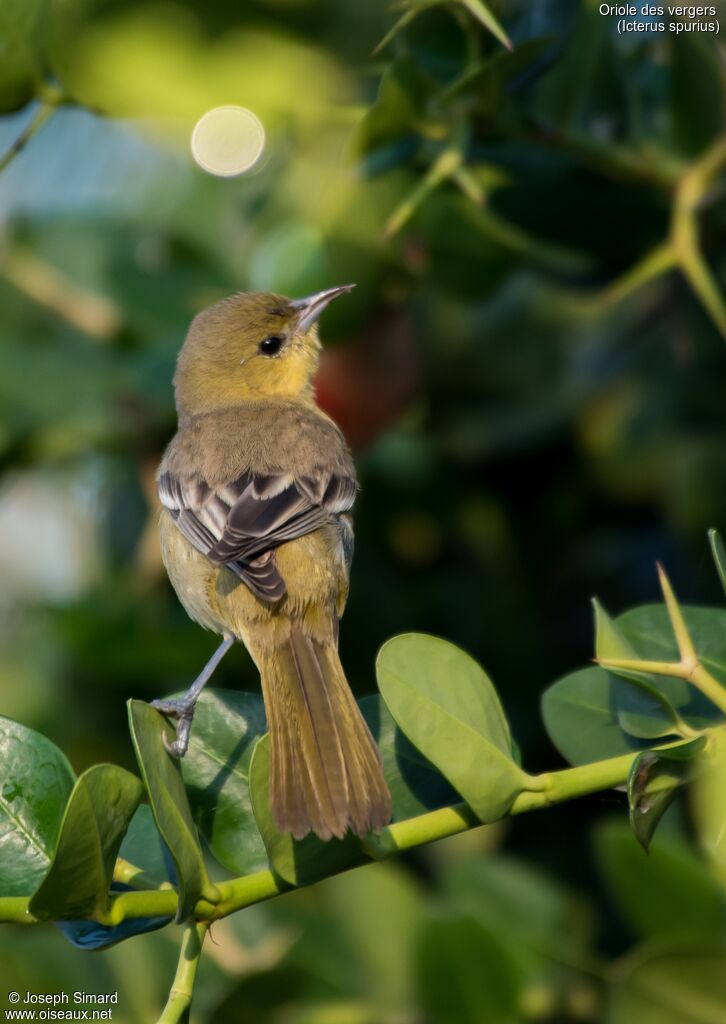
[485, 82]
[670, 982]
[581, 717]
[415, 785]
[358, 902]
[98, 813]
[698, 103]
[586, 712]
[170, 805]
[20, 27]
[465, 974]
[36, 783]
[477, 8]
[215, 770]
[648, 628]
[447, 707]
[544, 922]
[719, 554]
[297, 861]
[654, 780]
[642, 710]
[143, 846]
[668, 892]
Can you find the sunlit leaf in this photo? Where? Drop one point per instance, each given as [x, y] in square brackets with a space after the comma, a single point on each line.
[414, 783]
[446, 705]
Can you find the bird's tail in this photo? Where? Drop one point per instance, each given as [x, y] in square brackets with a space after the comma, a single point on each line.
[325, 770]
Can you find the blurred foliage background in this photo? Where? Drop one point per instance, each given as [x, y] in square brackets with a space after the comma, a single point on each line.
[532, 372]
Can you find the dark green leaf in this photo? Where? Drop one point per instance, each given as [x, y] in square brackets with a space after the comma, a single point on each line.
[581, 717]
[415, 785]
[297, 861]
[698, 104]
[465, 974]
[36, 783]
[677, 982]
[668, 892]
[447, 707]
[545, 924]
[98, 813]
[215, 769]
[655, 779]
[20, 24]
[648, 628]
[719, 554]
[170, 805]
[143, 847]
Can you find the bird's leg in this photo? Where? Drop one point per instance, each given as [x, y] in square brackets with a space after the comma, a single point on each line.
[182, 708]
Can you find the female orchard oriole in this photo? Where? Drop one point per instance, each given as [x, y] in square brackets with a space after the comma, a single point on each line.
[256, 487]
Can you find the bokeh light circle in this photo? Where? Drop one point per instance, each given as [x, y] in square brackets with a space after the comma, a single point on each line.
[227, 141]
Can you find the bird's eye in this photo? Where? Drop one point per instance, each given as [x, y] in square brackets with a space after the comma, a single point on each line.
[272, 345]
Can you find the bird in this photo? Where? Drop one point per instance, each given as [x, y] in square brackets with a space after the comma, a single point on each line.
[256, 490]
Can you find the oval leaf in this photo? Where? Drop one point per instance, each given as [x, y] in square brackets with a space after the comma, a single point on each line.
[37, 781]
[679, 982]
[98, 813]
[642, 709]
[415, 785]
[649, 629]
[297, 861]
[20, 29]
[170, 805]
[215, 770]
[447, 707]
[581, 718]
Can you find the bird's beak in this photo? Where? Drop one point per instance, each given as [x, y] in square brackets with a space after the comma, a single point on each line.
[310, 308]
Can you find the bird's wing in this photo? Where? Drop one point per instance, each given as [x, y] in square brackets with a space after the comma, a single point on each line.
[242, 522]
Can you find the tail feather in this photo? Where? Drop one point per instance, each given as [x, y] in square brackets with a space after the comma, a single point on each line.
[325, 770]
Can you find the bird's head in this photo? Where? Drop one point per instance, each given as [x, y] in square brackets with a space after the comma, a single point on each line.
[251, 345]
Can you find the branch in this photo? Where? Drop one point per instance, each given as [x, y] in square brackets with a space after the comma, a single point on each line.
[52, 98]
[237, 893]
[179, 1002]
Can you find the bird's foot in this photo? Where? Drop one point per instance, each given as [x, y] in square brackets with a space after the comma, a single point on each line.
[183, 711]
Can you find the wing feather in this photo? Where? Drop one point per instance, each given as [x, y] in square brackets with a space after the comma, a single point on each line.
[242, 522]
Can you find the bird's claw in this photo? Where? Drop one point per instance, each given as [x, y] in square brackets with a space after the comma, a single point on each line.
[183, 712]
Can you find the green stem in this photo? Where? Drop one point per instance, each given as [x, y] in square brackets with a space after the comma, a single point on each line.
[129, 874]
[179, 1002]
[45, 111]
[237, 893]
